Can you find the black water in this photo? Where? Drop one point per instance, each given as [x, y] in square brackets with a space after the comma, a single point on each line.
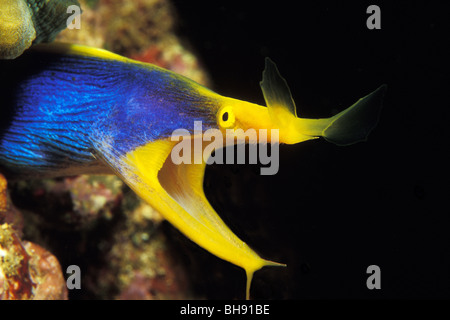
[332, 211]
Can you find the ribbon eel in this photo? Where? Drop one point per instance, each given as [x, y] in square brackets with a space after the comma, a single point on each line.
[70, 109]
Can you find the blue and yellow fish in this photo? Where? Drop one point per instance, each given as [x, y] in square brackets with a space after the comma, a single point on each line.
[69, 109]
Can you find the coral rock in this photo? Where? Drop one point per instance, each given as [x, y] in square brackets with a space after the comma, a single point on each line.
[15, 278]
[27, 22]
[16, 28]
[8, 213]
[46, 272]
[27, 271]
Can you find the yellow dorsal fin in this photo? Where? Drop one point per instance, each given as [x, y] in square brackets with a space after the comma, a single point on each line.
[277, 94]
[77, 49]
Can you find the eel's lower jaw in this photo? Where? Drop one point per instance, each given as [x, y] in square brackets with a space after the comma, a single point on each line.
[184, 183]
[176, 191]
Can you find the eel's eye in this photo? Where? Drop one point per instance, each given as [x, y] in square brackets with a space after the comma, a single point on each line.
[225, 117]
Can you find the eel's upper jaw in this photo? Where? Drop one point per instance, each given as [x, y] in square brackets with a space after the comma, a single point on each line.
[347, 127]
[176, 191]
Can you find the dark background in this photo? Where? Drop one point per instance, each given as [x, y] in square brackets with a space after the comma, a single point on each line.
[330, 212]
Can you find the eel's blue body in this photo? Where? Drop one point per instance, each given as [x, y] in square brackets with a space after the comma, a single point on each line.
[54, 106]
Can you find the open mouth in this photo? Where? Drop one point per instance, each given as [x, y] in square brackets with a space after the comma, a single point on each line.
[184, 184]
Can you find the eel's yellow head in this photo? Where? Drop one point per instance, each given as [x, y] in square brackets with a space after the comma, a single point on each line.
[259, 124]
[278, 122]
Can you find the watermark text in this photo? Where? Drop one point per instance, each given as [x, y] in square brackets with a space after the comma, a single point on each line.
[208, 147]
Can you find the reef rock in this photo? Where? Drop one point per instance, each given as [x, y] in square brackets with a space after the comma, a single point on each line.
[27, 22]
[27, 271]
